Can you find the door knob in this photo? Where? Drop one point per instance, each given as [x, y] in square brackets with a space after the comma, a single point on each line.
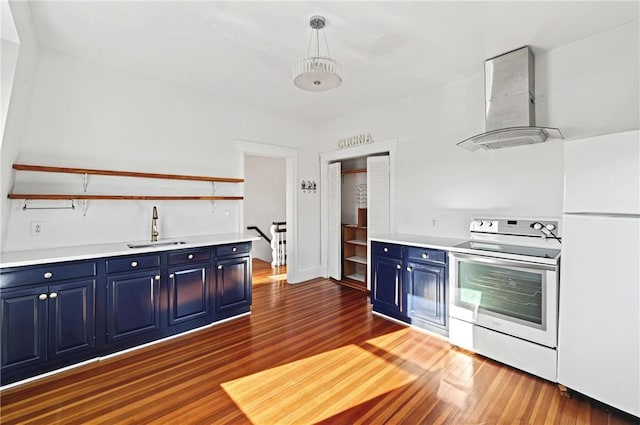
[53, 295]
[42, 296]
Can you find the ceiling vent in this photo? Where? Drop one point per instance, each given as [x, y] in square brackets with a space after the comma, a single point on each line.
[509, 104]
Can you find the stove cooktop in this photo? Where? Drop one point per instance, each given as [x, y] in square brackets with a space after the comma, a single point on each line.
[511, 249]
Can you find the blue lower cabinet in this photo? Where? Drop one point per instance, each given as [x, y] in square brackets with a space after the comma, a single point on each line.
[24, 328]
[71, 318]
[46, 327]
[233, 286]
[133, 307]
[410, 284]
[55, 315]
[426, 292]
[189, 293]
[388, 293]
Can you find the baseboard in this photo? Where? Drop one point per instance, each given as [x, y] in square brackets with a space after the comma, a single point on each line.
[308, 274]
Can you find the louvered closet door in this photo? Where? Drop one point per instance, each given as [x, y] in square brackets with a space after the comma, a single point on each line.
[378, 195]
[334, 251]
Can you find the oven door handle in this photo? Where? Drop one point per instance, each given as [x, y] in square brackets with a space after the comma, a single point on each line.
[502, 261]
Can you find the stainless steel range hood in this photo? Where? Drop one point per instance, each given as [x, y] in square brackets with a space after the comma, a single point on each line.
[509, 104]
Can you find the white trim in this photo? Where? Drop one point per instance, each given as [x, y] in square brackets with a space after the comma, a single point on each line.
[246, 147]
[309, 273]
[389, 145]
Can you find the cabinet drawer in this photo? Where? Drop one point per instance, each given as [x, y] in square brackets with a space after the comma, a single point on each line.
[188, 256]
[427, 254]
[236, 248]
[137, 262]
[46, 273]
[386, 249]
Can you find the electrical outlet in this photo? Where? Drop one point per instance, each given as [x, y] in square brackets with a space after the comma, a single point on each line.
[434, 223]
[36, 228]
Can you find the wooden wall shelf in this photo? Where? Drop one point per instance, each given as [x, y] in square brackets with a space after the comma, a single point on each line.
[42, 168]
[85, 197]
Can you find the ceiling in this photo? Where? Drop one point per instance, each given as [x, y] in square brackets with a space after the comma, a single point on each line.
[242, 52]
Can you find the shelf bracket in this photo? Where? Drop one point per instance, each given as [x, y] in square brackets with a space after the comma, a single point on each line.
[85, 206]
[85, 182]
[213, 193]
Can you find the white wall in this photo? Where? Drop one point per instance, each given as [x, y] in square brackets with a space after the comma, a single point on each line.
[265, 198]
[585, 88]
[86, 115]
[19, 64]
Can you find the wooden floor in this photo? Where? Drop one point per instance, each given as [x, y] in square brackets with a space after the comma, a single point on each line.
[309, 353]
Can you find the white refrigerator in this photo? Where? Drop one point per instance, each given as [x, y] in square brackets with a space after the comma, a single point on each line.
[599, 308]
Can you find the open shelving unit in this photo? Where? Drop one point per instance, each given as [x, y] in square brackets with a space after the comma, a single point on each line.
[86, 172]
[354, 256]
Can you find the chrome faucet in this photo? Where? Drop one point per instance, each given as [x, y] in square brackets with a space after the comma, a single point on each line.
[154, 225]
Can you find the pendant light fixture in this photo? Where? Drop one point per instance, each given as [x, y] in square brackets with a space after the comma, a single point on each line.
[317, 73]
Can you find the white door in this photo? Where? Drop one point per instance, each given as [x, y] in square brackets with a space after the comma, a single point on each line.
[378, 195]
[334, 228]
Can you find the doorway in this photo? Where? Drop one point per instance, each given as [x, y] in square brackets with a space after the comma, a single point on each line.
[331, 247]
[256, 150]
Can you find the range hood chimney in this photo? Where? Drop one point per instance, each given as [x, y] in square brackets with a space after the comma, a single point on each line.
[509, 104]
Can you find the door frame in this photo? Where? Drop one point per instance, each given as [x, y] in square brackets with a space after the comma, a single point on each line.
[387, 145]
[290, 155]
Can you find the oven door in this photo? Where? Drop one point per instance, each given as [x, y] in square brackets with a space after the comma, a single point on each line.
[517, 298]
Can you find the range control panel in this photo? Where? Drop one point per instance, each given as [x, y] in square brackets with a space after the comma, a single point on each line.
[516, 227]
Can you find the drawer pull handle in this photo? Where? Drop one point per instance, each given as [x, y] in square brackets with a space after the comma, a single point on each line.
[53, 295]
[170, 276]
[386, 250]
[425, 255]
[48, 275]
[158, 277]
[219, 267]
[190, 256]
[234, 249]
[134, 264]
[42, 297]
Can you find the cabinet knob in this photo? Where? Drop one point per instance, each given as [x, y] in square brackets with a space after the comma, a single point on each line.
[48, 275]
[170, 276]
[42, 296]
[190, 256]
[219, 267]
[158, 277]
[398, 266]
[134, 264]
[234, 249]
[386, 249]
[425, 255]
[409, 269]
[53, 295]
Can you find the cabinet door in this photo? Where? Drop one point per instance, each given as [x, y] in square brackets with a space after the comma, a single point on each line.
[188, 293]
[24, 328]
[387, 286]
[133, 305]
[71, 318]
[233, 284]
[426, 292]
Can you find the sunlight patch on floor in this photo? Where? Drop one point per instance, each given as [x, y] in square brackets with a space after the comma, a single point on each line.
[316, 388]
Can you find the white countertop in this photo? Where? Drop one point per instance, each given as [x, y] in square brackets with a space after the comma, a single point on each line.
[423, 241]
[71, 253]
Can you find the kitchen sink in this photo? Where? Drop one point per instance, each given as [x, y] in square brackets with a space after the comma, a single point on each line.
[151, 244]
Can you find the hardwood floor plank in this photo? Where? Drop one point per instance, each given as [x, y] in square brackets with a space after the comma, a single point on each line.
[308, 353]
